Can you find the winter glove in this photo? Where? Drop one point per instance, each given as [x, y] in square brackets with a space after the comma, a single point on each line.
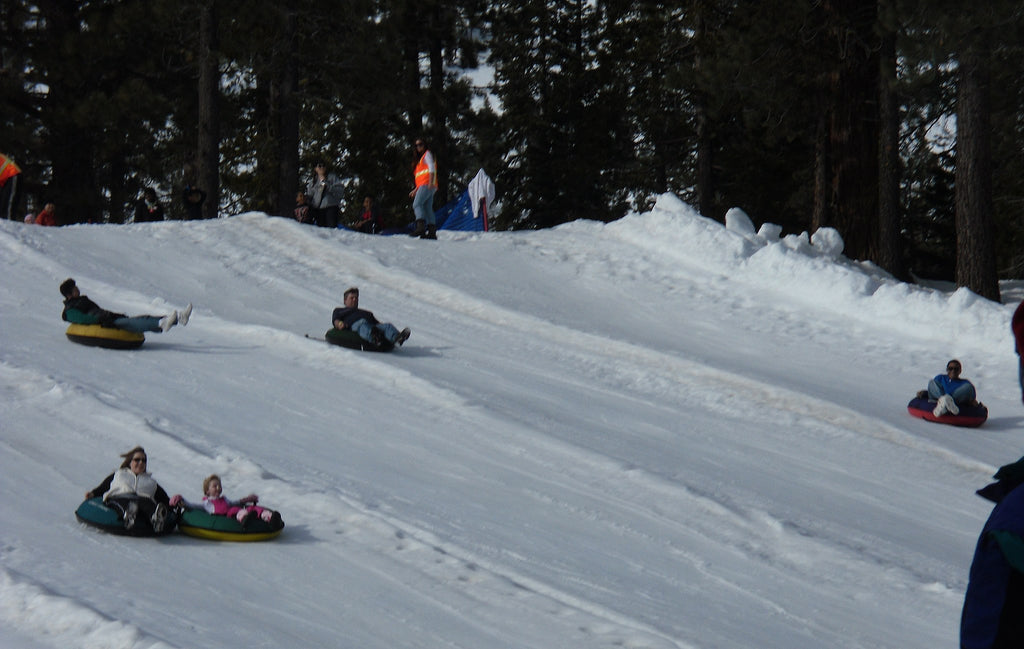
[176, 500]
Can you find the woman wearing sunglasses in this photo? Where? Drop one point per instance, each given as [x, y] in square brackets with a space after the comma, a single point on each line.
[133, 492]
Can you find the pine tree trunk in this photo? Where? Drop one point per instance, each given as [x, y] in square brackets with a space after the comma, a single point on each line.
[438, 111]
[411, 26]
[288, 138]
[69, 147]
[853, 132]
[208, 158]
[705, 178]
[889, 248]
[820, 214]
[975, 249]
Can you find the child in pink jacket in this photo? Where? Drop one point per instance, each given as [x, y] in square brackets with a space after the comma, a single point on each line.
[215, 503]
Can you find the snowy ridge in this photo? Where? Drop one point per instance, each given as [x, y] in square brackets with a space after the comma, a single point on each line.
[65, 622]
[654, 433]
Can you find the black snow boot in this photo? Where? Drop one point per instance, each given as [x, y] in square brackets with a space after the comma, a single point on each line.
[421, 228]
[431, 232]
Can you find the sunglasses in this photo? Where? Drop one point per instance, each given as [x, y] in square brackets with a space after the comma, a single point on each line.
[138, 459]
[950, 368]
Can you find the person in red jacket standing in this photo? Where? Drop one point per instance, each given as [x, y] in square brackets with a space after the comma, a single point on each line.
[48, 216]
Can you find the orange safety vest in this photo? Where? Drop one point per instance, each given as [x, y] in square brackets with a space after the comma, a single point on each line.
[7, 169]
[422, 172]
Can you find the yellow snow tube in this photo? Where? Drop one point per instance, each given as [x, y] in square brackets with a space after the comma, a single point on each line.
[96, 336]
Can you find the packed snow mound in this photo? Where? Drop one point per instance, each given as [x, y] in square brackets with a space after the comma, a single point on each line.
[802, 271]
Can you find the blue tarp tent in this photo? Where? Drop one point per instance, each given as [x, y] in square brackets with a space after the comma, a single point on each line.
[468, 212]
[458, 215]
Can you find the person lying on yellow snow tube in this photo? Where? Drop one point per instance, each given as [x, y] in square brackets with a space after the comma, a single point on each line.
[79, 309]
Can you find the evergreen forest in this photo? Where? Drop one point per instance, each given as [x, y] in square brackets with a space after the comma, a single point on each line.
[898, 122]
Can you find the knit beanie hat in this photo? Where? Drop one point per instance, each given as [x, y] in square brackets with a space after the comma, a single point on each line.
[67, 286]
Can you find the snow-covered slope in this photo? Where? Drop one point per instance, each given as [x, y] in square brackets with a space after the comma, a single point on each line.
[654, 433]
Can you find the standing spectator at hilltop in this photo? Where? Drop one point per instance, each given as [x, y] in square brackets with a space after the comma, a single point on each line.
[148, 208]
[192, 198]
[422, 195]
[324, 191]
[48, 216]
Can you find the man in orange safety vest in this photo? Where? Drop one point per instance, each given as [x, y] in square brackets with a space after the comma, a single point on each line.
[422, 195]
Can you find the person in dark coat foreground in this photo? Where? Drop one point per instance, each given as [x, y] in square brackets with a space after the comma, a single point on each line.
[993, 613]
